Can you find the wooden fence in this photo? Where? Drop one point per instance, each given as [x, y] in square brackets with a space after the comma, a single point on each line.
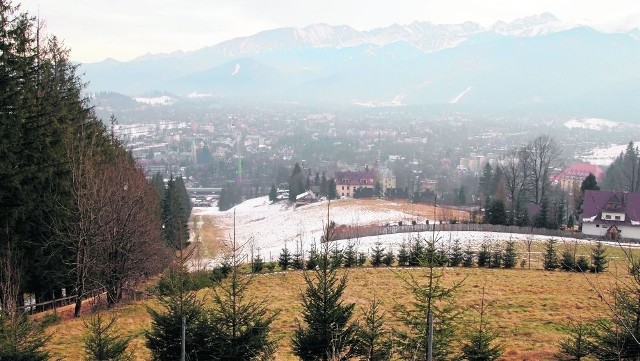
[69, 300]
[354, 232]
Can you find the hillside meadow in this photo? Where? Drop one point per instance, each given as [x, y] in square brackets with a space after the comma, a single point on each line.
[529, 307]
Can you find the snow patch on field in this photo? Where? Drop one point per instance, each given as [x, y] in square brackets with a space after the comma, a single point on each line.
[606, 155]
[590, 123]
[162, 100]
[267, 227]
[196, 95]
[460, 96]
[236, 70]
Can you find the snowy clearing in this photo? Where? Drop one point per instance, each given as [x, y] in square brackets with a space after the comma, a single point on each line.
[605, 156]
[266, 228]
[590, 123]
[162, 100]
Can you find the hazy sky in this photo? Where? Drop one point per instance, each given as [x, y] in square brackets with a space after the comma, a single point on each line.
[124, 29]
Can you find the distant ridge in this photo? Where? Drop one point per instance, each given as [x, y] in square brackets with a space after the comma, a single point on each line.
[533, 62]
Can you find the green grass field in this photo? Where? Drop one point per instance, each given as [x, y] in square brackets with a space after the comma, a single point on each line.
[529, 307]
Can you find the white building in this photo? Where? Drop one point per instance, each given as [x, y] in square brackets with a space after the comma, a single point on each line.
[611, 215]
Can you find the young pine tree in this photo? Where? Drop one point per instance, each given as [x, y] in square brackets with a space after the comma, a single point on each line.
[468, 258]
[582, 264]
[442, 257]
[312, 261]
[350, 256]
[102, 341]
[496, 257]
[337, 256]
[325, 332]
[377, 255]
[456, 254]
[568, 261]
[21, 339]
[258, 264]
[372, 339]
[362, 259]
[388, 258]
[164, 337]
[430, 297]
[403, 255]
[480, 344]
[484, 255]
[284, 260]
[238, 328]
[510, 256]
[297, 262]
[598, 258]
[578, 343]
[550, 259]
[417, 252]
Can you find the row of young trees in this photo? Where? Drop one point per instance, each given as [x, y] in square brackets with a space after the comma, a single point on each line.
[238, 327]
[76, 213]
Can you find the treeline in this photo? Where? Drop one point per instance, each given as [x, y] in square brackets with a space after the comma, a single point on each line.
[624, 173]
[76, 212]
[522, 178]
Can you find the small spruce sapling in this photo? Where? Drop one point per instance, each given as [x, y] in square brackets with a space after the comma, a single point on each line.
[377, 255]
[284, 261]
[510, 255]
[388, 258]
[456, 254]
[598, 258]
[550, 260]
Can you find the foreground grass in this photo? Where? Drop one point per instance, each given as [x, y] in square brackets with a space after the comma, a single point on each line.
[529, 307]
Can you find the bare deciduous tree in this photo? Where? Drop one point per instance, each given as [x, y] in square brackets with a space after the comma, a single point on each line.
[515, 169]
[130, 246]
[541, 153]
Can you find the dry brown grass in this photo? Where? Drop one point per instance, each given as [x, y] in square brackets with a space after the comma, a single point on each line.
[210, 235]
[420, 211]
[528, 307]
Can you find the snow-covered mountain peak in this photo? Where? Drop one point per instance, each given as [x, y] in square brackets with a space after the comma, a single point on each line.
[324, 35]
[629, 23]
[535, 25]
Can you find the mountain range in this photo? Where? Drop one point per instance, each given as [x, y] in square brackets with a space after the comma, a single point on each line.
[533, 63]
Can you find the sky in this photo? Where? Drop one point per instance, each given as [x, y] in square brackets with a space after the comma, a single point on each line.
[124, 29]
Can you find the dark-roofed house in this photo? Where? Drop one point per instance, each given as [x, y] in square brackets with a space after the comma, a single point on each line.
[348, 182]
[611, 214]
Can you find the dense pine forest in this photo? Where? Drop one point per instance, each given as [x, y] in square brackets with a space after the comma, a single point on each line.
[76, 213]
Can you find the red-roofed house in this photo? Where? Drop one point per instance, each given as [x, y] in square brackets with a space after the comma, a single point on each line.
[571, 178]
[348, 182]
[611, 214]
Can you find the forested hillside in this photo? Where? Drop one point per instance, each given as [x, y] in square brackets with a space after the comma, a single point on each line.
[76, 214]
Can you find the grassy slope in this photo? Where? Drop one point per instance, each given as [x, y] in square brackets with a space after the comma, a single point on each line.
[528, 307]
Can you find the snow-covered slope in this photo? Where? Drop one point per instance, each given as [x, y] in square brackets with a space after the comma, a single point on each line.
[606, 155]
[267, 228]
[590, 123]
